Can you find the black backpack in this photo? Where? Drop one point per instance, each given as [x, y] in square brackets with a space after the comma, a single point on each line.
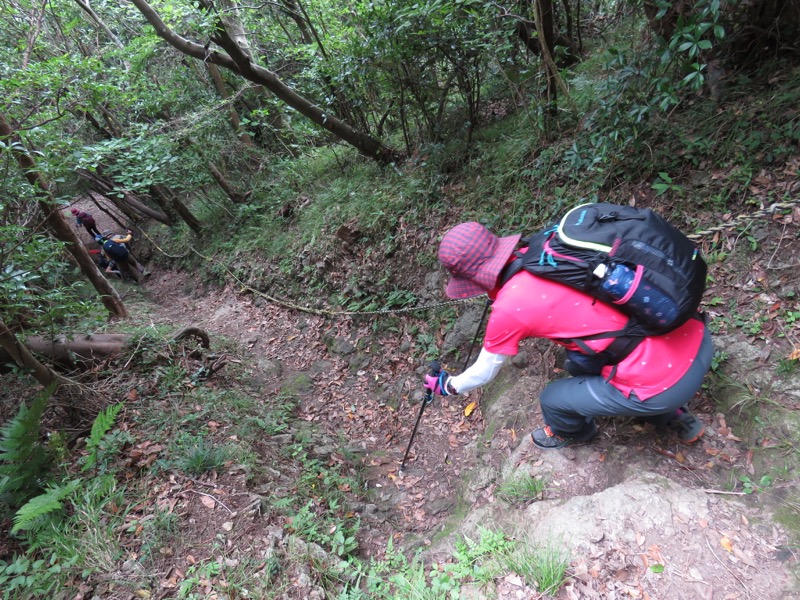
[115, 250]
[628, 257]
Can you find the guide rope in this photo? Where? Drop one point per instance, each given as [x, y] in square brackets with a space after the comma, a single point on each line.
[736, 222]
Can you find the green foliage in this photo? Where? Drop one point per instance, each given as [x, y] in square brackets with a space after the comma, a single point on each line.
[89, 529]
[666, 184]
[477, 560]
[749, 486]
[694, 34]
[102, 423]
[787, 367]
[196, 576]
[196, 455]
[720, 356]
[36, 285]
[24, 459]
[398, 577]
[43, 505]
[521, 489]
[542, 566]
[23, 577]
[141, 160]
[319, 510]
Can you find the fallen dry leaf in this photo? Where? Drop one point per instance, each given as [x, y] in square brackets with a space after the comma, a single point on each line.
[470, 408]
[208, 502]
[745, 558]
[726, 543]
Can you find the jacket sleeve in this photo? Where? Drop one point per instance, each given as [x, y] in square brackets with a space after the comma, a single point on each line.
[481, 372]
[122, 240]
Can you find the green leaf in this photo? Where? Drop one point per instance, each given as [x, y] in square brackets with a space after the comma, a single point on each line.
[657, 568]
[690, 76]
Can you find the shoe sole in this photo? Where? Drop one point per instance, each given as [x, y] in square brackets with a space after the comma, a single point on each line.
[694, 439]
[568, 444]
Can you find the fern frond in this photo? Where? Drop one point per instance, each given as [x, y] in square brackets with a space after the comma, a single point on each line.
[102, 423]
[23, 458]
[22, 431]
[43, 504]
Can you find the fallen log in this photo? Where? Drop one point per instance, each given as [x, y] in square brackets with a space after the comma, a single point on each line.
[71, 351]
[87, 350]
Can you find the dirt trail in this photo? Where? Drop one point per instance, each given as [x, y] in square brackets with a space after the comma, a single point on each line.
[630, 501]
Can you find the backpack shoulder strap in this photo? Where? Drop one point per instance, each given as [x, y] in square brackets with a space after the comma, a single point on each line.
[534, 244]
[511, 269]
[618, 350]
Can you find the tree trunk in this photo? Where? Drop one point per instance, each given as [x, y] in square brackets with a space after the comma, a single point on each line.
[100, 203]
[297, 12]
[525, 31]
[100, 23]
[105, 28]
[219, 84]
[60, 229]
[241, 63]
[22, 356]
[36, 28]
[226, 186]
[169, 199]
[545, 21]
[105, 187]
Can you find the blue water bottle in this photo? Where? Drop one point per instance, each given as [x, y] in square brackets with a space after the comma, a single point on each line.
[631, 290]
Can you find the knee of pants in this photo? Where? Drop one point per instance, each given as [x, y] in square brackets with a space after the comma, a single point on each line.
[551, 395]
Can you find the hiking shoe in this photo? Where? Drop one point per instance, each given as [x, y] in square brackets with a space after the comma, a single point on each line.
[545, 438]
[688, 427]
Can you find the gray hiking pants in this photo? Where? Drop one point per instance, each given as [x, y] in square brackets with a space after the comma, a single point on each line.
[569, 405]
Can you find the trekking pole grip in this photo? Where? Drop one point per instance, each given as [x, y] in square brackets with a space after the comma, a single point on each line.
[435, 368]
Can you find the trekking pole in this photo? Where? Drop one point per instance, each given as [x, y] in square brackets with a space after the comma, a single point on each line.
[435, 369]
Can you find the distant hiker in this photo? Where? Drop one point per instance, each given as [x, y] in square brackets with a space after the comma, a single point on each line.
[654, 381]
[87, 220]
[107, 266]
[115, 250]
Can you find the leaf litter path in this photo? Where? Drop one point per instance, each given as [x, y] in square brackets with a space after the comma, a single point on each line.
[366, 399]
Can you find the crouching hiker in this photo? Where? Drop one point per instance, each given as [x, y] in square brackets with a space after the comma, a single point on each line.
[115, 250]
[107, 266]
[655, 378]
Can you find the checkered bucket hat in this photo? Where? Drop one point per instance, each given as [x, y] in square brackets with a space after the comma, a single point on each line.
[474, 257]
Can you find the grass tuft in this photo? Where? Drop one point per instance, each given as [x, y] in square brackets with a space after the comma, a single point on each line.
[521, 489]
